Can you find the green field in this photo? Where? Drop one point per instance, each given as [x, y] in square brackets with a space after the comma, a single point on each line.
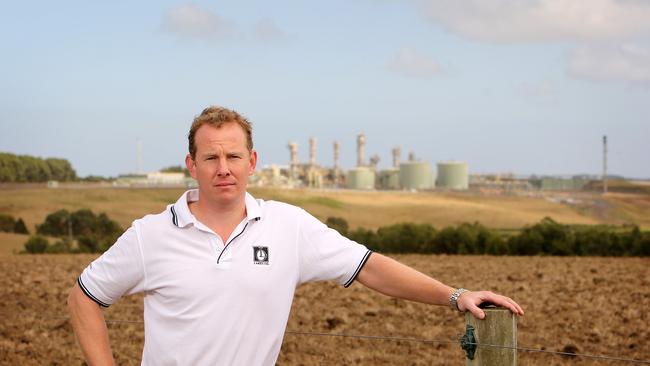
[366, 209]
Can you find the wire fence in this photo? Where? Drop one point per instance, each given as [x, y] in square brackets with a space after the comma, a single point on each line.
[402, 339]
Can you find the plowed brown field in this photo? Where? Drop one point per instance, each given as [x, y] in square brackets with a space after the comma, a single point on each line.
[588, 305]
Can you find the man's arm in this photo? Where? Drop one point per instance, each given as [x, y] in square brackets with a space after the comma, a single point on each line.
[392, 278]
[90, 328]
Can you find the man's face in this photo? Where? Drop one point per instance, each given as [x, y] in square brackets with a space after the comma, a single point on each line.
[222, 163]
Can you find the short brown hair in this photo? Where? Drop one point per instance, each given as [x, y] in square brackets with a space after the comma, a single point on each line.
[216, 117]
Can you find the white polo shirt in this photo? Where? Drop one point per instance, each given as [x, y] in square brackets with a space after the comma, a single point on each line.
[213, 303]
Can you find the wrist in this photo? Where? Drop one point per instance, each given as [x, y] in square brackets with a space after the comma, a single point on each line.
[453, 299]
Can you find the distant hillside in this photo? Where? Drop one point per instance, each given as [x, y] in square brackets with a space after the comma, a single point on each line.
[619, 185]
[365, 209]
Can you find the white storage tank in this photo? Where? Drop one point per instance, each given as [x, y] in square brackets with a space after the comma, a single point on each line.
[415, 175]
[361, 178]
[453, 175]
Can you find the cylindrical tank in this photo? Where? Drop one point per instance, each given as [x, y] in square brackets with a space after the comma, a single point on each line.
[388, 179]
[361, 178]
[453, 175]
[415, 175]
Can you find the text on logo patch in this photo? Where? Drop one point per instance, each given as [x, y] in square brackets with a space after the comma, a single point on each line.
[261, 255]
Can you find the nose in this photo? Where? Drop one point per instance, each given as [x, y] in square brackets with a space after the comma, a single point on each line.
[222, 169]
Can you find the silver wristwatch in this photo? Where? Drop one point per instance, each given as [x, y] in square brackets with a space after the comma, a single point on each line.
[453, 300]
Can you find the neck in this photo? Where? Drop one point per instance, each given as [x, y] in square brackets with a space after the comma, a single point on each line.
[221, 217]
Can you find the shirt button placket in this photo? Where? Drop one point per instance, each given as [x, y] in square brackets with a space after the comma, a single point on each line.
[217, 245]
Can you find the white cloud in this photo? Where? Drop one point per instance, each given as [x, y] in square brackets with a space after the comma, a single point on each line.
[190, 21]
[541, 20]
[626, 62]
[412, 63]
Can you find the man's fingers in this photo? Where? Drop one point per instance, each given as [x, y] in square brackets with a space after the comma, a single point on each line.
[499, 300]
[476, 311]
[513, 306]
[470, 301]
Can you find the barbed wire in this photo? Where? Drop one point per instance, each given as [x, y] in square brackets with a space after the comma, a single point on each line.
[402, 339]
[439, 341]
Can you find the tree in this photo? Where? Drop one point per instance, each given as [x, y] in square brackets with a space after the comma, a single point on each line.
[61, 246]
[339, 224]
[36, 244]
[26, 168]
[405, 237]
[55, 224]
[364, 236]
[20, 227]
[94, 233]
[7, 223]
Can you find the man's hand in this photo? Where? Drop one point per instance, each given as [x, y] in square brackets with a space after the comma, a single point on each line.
[470, 301]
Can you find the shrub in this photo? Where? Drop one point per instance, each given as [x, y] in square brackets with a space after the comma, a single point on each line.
[20, 227]
[36, 244]
[405, 238]
[467, 238]
[55, 224]
[339, 224]
[7, 223]
[62, 246]
[364, 236]
[81, 224]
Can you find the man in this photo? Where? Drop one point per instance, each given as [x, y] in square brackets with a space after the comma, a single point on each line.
[219, 268]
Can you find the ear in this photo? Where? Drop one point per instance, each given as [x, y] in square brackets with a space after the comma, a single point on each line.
[252, 163]
[191, 165]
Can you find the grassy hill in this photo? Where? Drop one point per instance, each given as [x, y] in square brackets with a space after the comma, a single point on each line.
[367, 209]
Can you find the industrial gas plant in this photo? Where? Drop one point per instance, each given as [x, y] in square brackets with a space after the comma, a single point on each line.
[411, 175]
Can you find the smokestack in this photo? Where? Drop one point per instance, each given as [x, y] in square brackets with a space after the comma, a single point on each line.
[374, 160]
[397, 152]
[293, 153]
[293, 156]
[337, 150]
[312, 151]
[361, 150]
[605, 164]
[411, 156]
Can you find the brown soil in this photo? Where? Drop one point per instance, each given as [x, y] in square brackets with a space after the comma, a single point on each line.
[584, 305]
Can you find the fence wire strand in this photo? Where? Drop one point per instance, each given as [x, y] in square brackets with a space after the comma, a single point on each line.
[439, 341]
[406, 339]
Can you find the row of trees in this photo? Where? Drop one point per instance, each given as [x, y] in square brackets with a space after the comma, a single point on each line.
[25, 168]
[80, 231]
[8, 224]
[85, 232]
[547, 237]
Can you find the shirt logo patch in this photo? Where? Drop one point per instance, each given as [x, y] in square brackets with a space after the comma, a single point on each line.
[261, 255]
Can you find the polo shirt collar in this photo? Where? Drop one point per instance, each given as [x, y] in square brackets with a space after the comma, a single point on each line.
[182, 216]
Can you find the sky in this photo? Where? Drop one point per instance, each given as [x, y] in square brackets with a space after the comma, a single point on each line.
[510, 86]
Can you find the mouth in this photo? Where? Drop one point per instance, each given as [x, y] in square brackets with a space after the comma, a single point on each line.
[224, 184]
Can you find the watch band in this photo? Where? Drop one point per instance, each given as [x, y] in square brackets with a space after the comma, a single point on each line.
[453, 300]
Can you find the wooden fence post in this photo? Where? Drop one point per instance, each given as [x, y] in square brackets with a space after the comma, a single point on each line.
[498, 328]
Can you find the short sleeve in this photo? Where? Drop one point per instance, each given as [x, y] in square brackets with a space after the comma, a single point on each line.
[117, 272]
[324, 254]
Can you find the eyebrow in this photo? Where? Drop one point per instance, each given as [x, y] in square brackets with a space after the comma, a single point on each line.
[228, 153]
